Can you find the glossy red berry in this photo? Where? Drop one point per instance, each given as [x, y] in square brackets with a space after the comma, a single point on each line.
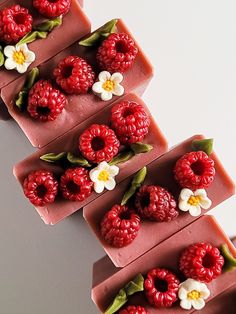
[133, 309]
[52, 8]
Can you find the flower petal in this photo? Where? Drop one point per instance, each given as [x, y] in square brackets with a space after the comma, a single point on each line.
[104, 76]
[191, 284]
[93, 174]
[105, 96]
[205, 203]
[10, 64]
[118, 90]
[198, 304]
[110, 184]
[22, 68]
[97, 88]
[23, 48]
[184, 206]
[117, 77]
[8, 51]
[205, 292]
[103, 166]
[186, 304]
[201, 193]
[30, 57]
[113, 171]
[195, 210]
[185, 194]
[99, 186]
[182, 293]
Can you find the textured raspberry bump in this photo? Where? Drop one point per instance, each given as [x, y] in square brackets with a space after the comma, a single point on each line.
[40, 187]
[161, 287]
[45, 102]
[132, 309]
[194, 170]
[130, 122]
[98, 143]
[52, 8]
[74, 75]
[156, 203]
[120, 226]
[15, 23]
[201, 261]
[75, 184]
[117, 53]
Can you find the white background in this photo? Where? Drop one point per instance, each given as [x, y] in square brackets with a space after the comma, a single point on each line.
[192, 44]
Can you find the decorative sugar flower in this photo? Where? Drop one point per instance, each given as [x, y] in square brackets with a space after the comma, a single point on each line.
[193, 293]
[194, 201]
[103, 177]
[108, 85]
[19, 57]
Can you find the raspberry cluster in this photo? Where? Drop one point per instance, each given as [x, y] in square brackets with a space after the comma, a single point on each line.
[132, 309]
[52, 8]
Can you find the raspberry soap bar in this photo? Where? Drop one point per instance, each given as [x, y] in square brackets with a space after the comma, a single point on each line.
[108, 280]
[159, 172]
[79, 107]
[53, 213]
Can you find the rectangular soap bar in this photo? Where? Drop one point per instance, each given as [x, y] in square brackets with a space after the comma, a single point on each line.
[60, 209]
[160, 172]
[75, 25]
[108, 280]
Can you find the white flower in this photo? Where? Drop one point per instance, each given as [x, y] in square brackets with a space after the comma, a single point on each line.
[108, 85]
[194, 201]
[193, 293]
[19, 57]
[103, 177]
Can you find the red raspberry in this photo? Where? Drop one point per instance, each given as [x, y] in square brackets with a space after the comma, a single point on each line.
[131, 309]
[52, 8]
[75, 184]
[98, 143]
[130, 122]
[117, 53]
[74, 75]
[155, 203]
[120, 226]
[201, 261]
[40, 187]
[161, 287]
[45, 102]
[15, 23]
[194, 170]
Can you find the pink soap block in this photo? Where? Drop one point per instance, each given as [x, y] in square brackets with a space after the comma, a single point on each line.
[60, 209]
[160, 172]
[79, 107]
[108, 280]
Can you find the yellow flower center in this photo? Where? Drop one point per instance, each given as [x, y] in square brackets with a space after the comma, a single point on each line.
[108, 85]
[19, 57]
[194, 295]
[103, 176]
[194, 200]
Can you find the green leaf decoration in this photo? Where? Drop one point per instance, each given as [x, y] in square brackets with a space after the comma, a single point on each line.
[100, 34]
[2, 58]
[135, 184]
[53, 158]
[139, 148]
[134, 286]
[230, 261]
[32, 36]
[78, 160]
[121, 157]
[205, 145]
[48, 25]
[22, 97]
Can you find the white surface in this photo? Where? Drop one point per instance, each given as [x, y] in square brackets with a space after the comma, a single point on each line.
[48, 270]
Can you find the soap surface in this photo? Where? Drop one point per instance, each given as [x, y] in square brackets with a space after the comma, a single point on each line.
[108, 280]
[160, 172]
[60, 209]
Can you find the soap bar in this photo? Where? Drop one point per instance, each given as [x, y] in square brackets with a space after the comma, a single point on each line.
[160, 172]
[108, 280]
[79, 107]
[60, 38]
[60, 209]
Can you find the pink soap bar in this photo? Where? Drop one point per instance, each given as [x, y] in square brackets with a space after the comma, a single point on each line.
[79, 107]
[160, 172]
[108, 280]
[60, 209]
[75, 25]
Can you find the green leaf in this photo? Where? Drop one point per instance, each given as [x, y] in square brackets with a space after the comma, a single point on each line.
[117, 303]
[99, 35]
[139, 148]
[205, 145]
[2, 58]
[48, 25]
[53, 158]
[32, 78]
[136, 285]
[135, 184]
[230, 261]
[32, 36]
[121, 157]
[77, 160]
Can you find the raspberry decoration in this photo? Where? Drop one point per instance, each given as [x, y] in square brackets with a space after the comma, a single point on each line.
[132, 309]
[74, 75]
[52, 8]
[117, 53]
[98, 143]
[15, 23]
[75, 184]
[202, 262]
[130, 122]
[45, 102]
[161, 287]
[120, 226]
[194, 170]
[155, 203]
[40, 187]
